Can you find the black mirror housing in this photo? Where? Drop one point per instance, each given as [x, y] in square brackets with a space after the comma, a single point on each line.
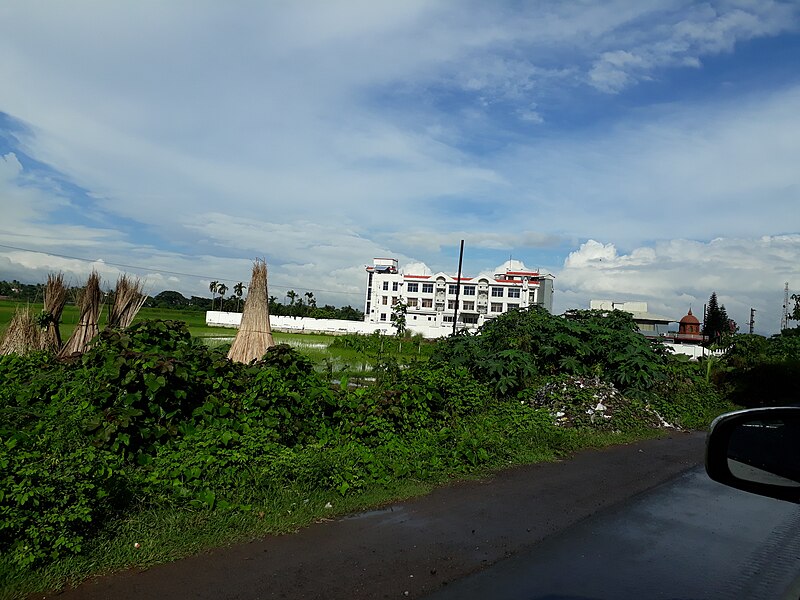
[757, 451]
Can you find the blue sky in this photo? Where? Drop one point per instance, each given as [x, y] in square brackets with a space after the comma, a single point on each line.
[636, 150]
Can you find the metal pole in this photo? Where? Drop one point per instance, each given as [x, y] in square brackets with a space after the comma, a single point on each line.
[458, 286]
[752, 319]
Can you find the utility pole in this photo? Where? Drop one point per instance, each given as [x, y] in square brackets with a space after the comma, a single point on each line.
[752, 319]
[458, 286]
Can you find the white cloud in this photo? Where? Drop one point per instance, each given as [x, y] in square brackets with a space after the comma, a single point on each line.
[322, 135]
[686, 34]
[677, 274]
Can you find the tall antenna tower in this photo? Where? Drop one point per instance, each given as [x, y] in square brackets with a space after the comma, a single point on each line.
[785, 312]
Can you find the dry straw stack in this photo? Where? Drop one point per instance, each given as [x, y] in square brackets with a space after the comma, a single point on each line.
[90, 304]
[55, 297]
[128, 299]
[23, 334]
[255, 335]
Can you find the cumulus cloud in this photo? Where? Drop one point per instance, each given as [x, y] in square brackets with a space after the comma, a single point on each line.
[416, 268]
[319, 137]
[674, 275]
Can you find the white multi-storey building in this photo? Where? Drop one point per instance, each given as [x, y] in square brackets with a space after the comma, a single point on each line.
[434, 300]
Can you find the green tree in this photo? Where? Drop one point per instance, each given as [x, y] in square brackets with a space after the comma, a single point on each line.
[311, 301]
[212, 287]
[221, 289]
[794, 315]
[716, 324]
[398, 317]
[238, 289]
[291, 294]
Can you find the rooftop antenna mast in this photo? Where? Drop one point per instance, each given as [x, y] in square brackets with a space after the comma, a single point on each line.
[785, 311]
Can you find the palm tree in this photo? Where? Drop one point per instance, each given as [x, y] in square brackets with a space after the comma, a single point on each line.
[238, 289]
[221, 289]
[291, 294]
[312, 302]
[212, 287]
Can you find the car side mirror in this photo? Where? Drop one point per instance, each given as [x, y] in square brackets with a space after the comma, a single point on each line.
[758, 451]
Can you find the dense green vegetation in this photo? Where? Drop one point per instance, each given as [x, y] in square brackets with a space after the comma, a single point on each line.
[155, 438]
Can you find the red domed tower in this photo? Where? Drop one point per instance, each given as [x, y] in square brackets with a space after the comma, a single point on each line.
[689, 329]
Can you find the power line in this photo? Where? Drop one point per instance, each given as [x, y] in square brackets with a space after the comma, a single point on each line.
[166, 272]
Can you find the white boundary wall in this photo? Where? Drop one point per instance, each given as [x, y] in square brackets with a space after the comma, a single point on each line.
[215, 318]
[694, 350]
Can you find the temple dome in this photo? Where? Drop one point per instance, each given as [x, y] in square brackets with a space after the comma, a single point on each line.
[689, 319]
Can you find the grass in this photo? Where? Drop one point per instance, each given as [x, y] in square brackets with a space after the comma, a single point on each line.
[168, 534]
[196, 320]
[340, 362]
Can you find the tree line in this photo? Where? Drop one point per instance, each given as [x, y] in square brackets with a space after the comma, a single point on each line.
[295, 305]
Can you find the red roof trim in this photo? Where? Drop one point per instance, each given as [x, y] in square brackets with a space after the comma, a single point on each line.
[512, 281]
[417, 276]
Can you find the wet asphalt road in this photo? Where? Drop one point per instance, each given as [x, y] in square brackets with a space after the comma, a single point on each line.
[687, 538]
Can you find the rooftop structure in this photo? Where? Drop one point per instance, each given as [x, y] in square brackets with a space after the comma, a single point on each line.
[650, 324]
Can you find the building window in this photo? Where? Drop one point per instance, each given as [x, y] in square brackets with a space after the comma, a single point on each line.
[451, 304]
[385, 285]
[394, 300]
[427, 288]
[497, 292]
[469, 305]
[513, 292]
[427, 303]
[532, 297]
[413, 287]
[469, 290]
[452, 289]
[497, 307]
[447, 319]
[511, 306]
[384, 299]
[383, 316]
[411, 303]
[469, 318]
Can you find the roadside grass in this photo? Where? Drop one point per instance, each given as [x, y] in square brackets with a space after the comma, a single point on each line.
[168, 534]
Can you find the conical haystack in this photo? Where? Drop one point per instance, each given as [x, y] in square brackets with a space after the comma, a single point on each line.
[86, 329]
[23, 334]
[55, 297]
[255, 334]
[128, 299]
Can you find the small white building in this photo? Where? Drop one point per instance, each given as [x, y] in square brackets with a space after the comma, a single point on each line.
[433, 301]
[650, 324]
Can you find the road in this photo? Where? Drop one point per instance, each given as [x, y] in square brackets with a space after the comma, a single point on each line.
[688, 538]
[524, 532]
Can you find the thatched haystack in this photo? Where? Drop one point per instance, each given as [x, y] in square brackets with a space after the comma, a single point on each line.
[90, 304]
[255, 334]
[23, 334]
[128, 299]
[55, 297]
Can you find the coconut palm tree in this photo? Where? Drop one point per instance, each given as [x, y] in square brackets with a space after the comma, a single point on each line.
[291, 294]
[212, 287]
[221, 289]
[238, 289]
